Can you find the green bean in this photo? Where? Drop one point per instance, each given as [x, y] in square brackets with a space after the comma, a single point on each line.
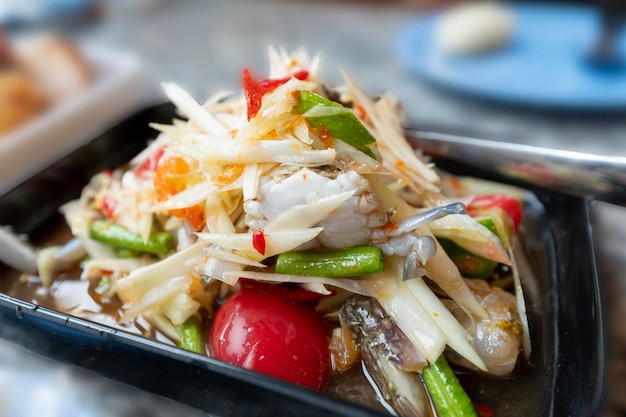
[118, 236]
[125, 253]
[342, 263]
[489, 224]
[449, 397]
[469, 264]
[191, 335]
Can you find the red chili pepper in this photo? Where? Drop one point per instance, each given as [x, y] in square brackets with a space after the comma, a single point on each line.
[483, 410]
[510, 205]
[269, 84]
[301, 75]
[255, 90]
[108, 205]
[258, 241]
[151, 162]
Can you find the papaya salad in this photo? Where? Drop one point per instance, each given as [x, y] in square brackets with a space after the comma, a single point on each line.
[289, 228]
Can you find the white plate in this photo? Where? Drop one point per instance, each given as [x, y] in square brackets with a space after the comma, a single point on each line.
[116, 92]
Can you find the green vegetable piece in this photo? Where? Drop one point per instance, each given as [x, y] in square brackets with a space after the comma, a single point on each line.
[309, 99]
[191, 335]
[103, 285]
[339, 121]
[342, 263]
[449, 397]
[497, 224]
[489, 224]
[125, 253]
[470, 265]
[160, 243]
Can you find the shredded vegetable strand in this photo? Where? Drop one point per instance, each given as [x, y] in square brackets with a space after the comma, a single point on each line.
[192, 109]
[389, 139]
[141, 280]
[276, 241]
[414, 321]
[357, 286]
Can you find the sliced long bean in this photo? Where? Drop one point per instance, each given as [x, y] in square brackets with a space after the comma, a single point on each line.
[191, 335]
[449, 397]
[489, 224]
[113, 234]
[341, 263]
[469, 264]
[126, 253]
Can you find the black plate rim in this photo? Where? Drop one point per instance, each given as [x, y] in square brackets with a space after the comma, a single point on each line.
[11, 305]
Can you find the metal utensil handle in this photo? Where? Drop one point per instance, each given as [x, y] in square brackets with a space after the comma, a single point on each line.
[570, 172]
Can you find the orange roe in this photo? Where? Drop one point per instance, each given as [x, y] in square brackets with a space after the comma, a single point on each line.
[456, 183]
[390, 226]
[172, 176]
[195, 215]
[229, 174]
[400, 164]
[360, 112]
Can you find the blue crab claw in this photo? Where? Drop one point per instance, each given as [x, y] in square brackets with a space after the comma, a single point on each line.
[423, 218]
[423, 249]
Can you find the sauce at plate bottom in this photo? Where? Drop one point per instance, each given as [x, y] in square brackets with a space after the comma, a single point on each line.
[71, 295]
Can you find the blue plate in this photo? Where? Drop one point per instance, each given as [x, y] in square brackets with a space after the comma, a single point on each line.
[545, 64]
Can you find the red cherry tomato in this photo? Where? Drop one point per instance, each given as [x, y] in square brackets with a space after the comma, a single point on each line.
[271, 335]
[509, 204]
[483, 410]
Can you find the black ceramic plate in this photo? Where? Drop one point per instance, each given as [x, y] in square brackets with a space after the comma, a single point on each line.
[563, 379]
